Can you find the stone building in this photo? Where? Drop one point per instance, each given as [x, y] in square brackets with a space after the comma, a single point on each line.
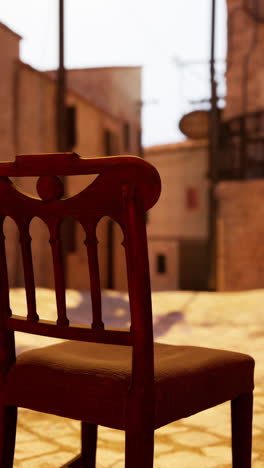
[178, 225]
[103, 118]
[240, 251]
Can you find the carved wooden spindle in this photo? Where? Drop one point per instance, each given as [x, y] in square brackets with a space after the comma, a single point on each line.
[4, 289]
[25, 242]
[91, 243]
[58, 269]
[50, 189]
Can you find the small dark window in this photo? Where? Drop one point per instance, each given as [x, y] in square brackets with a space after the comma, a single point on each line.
[111, 143]
[140, 148]
[71, 127]
[126, 132]
[192, 198]
[161, 263]
[107, 142]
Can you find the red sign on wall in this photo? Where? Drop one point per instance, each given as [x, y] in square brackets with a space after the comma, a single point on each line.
[192, 201]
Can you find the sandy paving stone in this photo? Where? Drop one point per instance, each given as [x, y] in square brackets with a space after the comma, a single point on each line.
[184, 459]
[218, 453]
[52, 460]
[111, 434]
[35, 449]
[258, 420]
[196, 438]
[259, 463]
[107, 457]
[173, 428]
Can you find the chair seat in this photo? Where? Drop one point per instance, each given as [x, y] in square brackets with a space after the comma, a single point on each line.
[90, 381]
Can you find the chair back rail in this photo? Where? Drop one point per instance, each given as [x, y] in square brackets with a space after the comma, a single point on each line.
[70, 332]
[124, 189]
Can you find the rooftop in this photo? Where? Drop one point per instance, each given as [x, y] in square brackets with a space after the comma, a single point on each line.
[186, 144]
[4, 27]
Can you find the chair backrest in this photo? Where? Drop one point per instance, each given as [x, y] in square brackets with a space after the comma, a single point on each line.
[126, 186]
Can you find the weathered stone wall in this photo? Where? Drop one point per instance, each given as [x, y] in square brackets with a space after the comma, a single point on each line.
[9, 52]
[240, 252]
[245, 62]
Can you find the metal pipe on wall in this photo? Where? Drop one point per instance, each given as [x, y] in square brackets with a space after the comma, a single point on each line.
[213, 160]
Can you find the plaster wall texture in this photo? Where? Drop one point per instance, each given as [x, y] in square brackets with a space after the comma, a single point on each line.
[245, 70]
[9, 47]
[240, 253]
[182, 166]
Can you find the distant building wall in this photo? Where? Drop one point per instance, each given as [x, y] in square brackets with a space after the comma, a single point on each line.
[245, 61]
[181, 213]
[116, 91]
[240, 228]
[164, 250]
[9, 44]
[240, 252]
[101, 86]
[9, 55]
[101, 128]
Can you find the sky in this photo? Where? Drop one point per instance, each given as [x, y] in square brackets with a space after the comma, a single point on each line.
[166, 37]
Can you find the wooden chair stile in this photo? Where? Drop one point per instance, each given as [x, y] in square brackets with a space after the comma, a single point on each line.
[7, 339]
[140, 410]
[101, 376]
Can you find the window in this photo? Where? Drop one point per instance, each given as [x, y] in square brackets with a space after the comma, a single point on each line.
[107, 142]
[71, 126]
[126, 136]
[192, 198]
[140, 148]
[111, 143]
[161, 263]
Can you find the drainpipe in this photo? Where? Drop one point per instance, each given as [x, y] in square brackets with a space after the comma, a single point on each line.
[213, 162]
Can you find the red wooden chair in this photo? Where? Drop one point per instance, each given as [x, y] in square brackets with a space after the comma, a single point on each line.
[114, 378]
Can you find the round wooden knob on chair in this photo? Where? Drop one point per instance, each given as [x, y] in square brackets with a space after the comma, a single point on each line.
[50, 188]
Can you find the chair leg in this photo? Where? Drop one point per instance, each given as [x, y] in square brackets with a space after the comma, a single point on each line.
[88, 444]
[87, 457]
[241, 413]
[139, 448]
[8, 419]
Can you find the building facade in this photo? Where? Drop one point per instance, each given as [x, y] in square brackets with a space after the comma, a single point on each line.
[240, 256]
[103, 118]
[178, 225]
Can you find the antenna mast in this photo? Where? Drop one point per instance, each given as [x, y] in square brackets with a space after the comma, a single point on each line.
[61, 84]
